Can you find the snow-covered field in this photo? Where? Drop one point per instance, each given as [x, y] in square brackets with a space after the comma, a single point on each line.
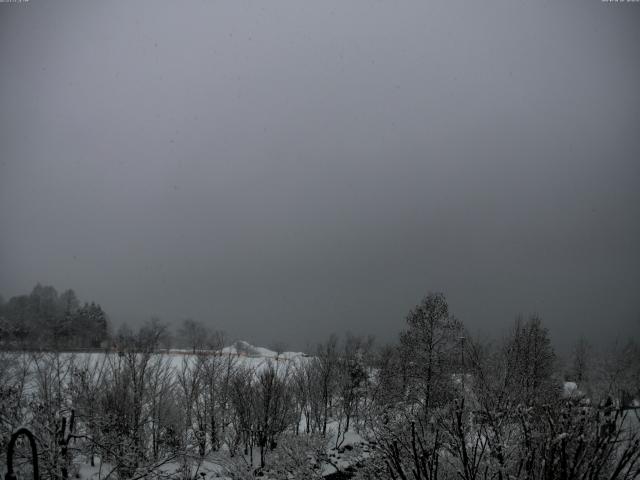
[241, 353]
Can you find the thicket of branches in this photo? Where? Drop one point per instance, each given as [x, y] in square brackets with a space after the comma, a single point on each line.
[459, 408]
[438, 404]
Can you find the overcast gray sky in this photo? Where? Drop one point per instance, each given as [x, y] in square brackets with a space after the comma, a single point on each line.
[286, 169]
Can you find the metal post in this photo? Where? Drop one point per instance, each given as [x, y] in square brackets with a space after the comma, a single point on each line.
[34, 453]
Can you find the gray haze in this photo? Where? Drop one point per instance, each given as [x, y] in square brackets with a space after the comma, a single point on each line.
[287, 169]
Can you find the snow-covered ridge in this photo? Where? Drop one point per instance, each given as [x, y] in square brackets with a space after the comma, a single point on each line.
[245, 355]
[242, 348]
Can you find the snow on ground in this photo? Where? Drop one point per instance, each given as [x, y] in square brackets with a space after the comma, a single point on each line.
[242, 353]
[205, 470]
[571, 390]
[351, 449]
[243, 348]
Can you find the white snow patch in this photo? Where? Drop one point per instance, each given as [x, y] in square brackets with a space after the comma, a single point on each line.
[571, 390]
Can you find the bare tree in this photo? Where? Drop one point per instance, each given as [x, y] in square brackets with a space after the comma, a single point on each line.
[530, 360]
[430, 342]
[352, 378]
[194, 334]
[327, 365]
[274, 406]
[581, 361]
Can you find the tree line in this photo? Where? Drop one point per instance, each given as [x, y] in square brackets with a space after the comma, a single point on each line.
[46, 319]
